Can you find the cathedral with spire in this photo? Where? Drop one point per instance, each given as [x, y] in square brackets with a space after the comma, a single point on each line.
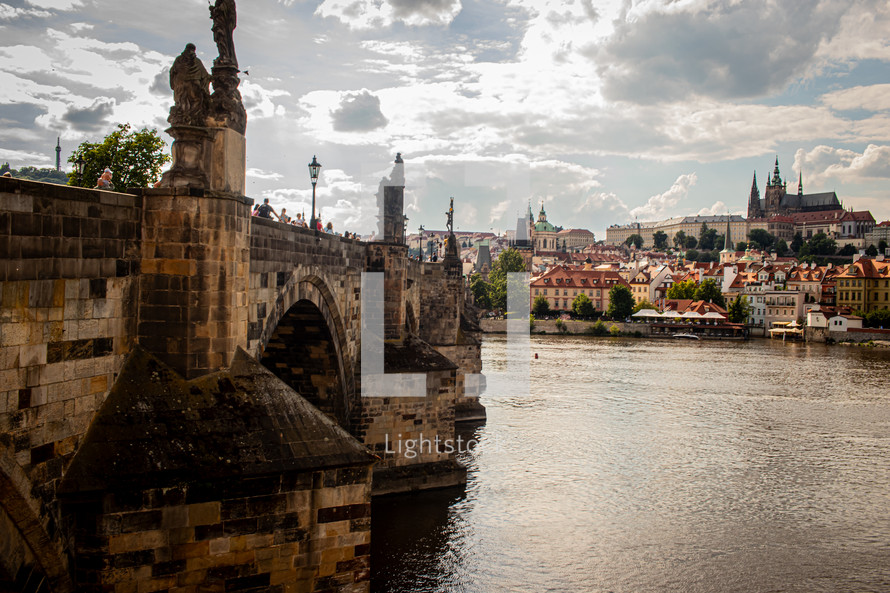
[777, 201]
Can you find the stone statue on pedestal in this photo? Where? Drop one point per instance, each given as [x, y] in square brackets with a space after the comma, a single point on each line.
[209, 148]
[225, 20]
[191, 97]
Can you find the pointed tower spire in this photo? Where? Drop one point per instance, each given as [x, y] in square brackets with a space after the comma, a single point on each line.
[800, 184]
[777, 177]
[727, 240]
[58, 154]
[754, 209]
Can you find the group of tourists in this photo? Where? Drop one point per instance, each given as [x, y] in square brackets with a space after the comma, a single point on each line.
[265, 210]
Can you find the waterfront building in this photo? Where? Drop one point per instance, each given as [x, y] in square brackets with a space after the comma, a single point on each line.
[561, 284]
[781, 307]
[864, 285]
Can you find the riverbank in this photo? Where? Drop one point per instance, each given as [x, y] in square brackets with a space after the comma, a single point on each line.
[609, 328]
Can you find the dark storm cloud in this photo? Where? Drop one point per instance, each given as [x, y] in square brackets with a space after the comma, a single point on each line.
[433, 10]
[359, 112]
[744, 50]
[90, 119]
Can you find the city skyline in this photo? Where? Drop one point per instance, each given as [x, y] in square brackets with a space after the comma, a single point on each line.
[607, 111]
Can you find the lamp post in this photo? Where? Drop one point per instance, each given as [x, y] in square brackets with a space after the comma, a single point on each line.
[78, 168]
[314, 166]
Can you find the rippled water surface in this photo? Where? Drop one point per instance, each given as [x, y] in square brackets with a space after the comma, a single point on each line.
[636, 465]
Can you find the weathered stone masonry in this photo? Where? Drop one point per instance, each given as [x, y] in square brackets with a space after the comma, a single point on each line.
[192, 277]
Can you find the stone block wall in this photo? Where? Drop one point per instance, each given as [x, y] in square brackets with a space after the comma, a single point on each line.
[392, 260]
[389, 424]
[294, 533]
[69, 262]
[440, 305]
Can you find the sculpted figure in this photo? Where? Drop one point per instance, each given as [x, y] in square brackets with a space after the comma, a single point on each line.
[191, 96]
[224, 23]
[227, 109]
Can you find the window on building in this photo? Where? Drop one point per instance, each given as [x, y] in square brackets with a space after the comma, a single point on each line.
[536, 291]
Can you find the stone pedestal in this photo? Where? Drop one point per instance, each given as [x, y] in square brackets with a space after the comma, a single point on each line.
[193, 289]
[227, 160]
[190, 152]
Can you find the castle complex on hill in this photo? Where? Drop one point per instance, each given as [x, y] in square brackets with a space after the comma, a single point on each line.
[778, 212]
[778, 202]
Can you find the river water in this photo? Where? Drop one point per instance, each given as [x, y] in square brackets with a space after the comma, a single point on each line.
[637, 465]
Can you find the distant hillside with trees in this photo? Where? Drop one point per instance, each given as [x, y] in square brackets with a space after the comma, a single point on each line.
[47, 175]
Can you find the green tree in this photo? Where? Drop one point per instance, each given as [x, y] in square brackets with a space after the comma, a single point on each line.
[871, 251]
[741, 246]
[821, 244]
[45, 175]
[682, 290]
[781, 247]
[760, 239]
[879, 318]
[847, 250]
[635, 240]
[709, 291]
[480, 290]
[582, 306]
[680, 240]
[882, 246]
[661, 239]
[796, 242]
[692, 254]
[707, 238]
[621, 302]
[644, 304]
[540, 308]
[738, 309]
[691, 242]
[508, 261]
[135, 158]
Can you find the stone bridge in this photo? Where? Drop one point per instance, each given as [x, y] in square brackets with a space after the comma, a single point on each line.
[142, 446]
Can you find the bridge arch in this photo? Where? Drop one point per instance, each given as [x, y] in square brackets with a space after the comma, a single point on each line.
[304, 343]
[30, 561]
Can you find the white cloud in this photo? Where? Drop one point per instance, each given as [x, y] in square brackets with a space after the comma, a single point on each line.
[661, 205]
[8, 13]
[368, 14]
[18, 158]
[824, 162]
[498, 210]
[260, 174]
[715, 209]
[875, 97]
[56, 4]
[864, 34]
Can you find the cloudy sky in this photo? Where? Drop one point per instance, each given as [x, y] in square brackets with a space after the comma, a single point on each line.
[607, 110]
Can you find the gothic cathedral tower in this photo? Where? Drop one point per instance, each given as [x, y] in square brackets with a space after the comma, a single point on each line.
[775, 191]
[754, 209]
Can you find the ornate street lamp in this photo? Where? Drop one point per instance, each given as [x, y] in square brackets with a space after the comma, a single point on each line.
[78, 168]
[314, 167]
